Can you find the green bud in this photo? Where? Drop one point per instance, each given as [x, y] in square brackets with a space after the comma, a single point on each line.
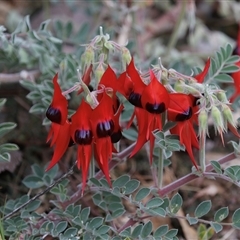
[203, 122]
[228, 116]
[217, 120]
[87, 58]
[99, 72]
[126, 57]
[222, 97]
[179, 86]
[108, 45]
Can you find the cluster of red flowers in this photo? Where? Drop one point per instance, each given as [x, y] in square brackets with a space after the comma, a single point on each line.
[96, 128]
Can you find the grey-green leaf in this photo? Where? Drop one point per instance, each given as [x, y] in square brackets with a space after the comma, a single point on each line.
[203, 208]
[217, 227]
[236, 219]
[6, 127]
[131, 186]
[161, 231]
[155, 202]
[146, 230]
[221, 214]
[121, 181]
[175, 203]
[216, 166]
[142, 193]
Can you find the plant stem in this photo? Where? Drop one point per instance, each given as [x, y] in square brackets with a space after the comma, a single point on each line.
[190, 177]
[161, 156]
[160, 168]
[70, 172]
[202, 157]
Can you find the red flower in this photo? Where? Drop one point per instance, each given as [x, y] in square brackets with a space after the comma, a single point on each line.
[102, 122]
[134, 97]
[57, 111]
[82, 135]
[200, 77]
[181, 111]
[154, 99]
[60, 135]
[110, 83]
[147, 123]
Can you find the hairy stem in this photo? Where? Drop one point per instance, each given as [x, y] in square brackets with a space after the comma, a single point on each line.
[190, 177]
[202, 150]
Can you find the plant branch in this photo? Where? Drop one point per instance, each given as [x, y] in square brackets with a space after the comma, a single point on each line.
[190, 177]
[70, 172]
[15, 77]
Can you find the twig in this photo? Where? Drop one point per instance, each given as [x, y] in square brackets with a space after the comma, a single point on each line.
[70, 172]
[190, 177]
[15, 77]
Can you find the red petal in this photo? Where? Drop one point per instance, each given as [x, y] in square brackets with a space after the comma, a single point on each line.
[53, 133]
[125, 85]
[61, 144]
[155, 98]
[147, 123]
[81, 119]
[117, 129]
[103, 152]
[233, 130]
[59, 101]
[102, 113]
[180, 105]
[83, 161]
[186, 135]
[200, 77]
[109, 79]
[135, 77]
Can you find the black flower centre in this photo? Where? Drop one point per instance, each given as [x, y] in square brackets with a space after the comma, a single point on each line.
[83, 137]
[155, 108]
[185, 115]
[105, 129]
[135, 99]
[116, 136]
[54, 115]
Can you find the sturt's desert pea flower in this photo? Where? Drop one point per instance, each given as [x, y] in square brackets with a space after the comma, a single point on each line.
[57, 112]
[181, 111]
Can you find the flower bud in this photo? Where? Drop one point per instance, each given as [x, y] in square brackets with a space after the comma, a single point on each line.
[222, 97]
[126, 57]
[203, 122]
[217, 120]
[179, 86]
[87, 58]
[99, 72]
[228, 116]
